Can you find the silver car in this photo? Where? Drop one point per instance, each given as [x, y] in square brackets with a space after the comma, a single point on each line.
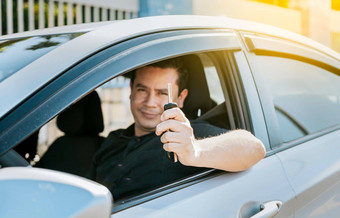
[283, 87]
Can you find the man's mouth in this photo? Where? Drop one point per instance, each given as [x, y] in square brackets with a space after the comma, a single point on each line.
[150, 114]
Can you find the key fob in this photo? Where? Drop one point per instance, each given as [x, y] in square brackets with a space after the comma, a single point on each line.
[172, 156]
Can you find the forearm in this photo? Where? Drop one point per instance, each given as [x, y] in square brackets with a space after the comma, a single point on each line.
[233, 151]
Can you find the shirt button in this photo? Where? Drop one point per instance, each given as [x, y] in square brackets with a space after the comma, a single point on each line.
[127, 180]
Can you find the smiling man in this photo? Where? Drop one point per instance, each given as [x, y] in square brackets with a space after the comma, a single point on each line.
[149, 94]
[135, 160]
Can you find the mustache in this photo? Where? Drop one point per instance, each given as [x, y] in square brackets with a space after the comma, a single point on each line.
[150, 110]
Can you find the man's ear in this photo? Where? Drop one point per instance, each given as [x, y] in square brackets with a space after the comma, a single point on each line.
[130, 88]
[182, 97]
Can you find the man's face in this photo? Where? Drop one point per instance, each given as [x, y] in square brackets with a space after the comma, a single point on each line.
[149, 94]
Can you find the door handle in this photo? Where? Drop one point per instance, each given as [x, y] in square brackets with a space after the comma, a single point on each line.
[268, 209]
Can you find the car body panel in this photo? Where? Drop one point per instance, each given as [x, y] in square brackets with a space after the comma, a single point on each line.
[313, 169]
[223, 196]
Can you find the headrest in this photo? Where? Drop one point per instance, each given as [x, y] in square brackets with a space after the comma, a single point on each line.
[198, 97]
[82, 118]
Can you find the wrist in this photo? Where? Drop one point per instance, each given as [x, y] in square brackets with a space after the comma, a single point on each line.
[197, 154]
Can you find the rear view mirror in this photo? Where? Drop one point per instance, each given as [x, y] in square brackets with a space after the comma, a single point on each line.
[34, 192]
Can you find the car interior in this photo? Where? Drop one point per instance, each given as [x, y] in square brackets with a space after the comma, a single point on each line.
[81, 124]
[199, 104]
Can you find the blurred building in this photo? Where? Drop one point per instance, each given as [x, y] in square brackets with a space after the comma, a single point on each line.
[316, 19]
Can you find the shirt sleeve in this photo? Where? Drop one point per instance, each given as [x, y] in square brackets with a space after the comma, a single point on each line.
[203, 129]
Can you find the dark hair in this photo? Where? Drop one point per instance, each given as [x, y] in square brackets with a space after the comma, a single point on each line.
[174, 63]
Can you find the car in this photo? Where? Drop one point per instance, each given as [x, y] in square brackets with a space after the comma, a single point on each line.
[281, 86]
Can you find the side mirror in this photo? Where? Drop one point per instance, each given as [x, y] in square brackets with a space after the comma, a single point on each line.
[34, 192]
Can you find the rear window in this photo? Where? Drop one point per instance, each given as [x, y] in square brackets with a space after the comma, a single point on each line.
[17, 53]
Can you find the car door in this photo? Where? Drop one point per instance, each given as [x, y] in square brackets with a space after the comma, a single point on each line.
[211, 193]
[299, 89]
[262, 190]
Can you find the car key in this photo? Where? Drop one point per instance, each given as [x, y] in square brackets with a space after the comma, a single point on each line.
[172, 156]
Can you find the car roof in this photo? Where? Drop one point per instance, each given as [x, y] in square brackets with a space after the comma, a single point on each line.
[75, 28]
[102, 34]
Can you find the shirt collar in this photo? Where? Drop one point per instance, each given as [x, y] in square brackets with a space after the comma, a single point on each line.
[130, 132]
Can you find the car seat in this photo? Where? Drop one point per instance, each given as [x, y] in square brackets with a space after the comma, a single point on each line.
[73, 152]
[198, 98]
[28, 148]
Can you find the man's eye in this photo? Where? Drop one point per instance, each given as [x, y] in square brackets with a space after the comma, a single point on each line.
[164, 93]
[141, 90]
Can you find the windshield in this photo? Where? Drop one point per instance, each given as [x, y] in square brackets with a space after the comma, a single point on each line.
[17, 53]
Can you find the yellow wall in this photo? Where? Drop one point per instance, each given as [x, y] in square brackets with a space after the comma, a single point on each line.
[335, 30]
[335, 21]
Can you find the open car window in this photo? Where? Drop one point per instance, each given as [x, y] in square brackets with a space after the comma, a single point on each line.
[69, 142]
[60, 127]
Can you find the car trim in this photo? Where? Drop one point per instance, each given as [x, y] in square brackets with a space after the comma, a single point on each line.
[306, 138]
[255, 112]
[265, 45]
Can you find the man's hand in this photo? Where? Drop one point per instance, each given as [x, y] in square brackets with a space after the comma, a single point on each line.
[234, 151]
[178, 135]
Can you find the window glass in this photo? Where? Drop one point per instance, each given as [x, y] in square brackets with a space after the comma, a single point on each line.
[306, 98]
[17, 53]
[214, 85]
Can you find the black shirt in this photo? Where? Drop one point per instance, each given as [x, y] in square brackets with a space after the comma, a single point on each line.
[127, 164]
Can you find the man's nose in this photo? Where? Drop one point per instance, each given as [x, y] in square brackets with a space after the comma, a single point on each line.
[151, 100]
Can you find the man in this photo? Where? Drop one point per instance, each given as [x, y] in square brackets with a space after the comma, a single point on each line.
[132, 160]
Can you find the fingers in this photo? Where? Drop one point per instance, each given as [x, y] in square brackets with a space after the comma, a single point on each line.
[174, 113]
[175, 137]
[176, 148]
[173, 120]
[178, 135]
[174, 126]
[185, 154]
